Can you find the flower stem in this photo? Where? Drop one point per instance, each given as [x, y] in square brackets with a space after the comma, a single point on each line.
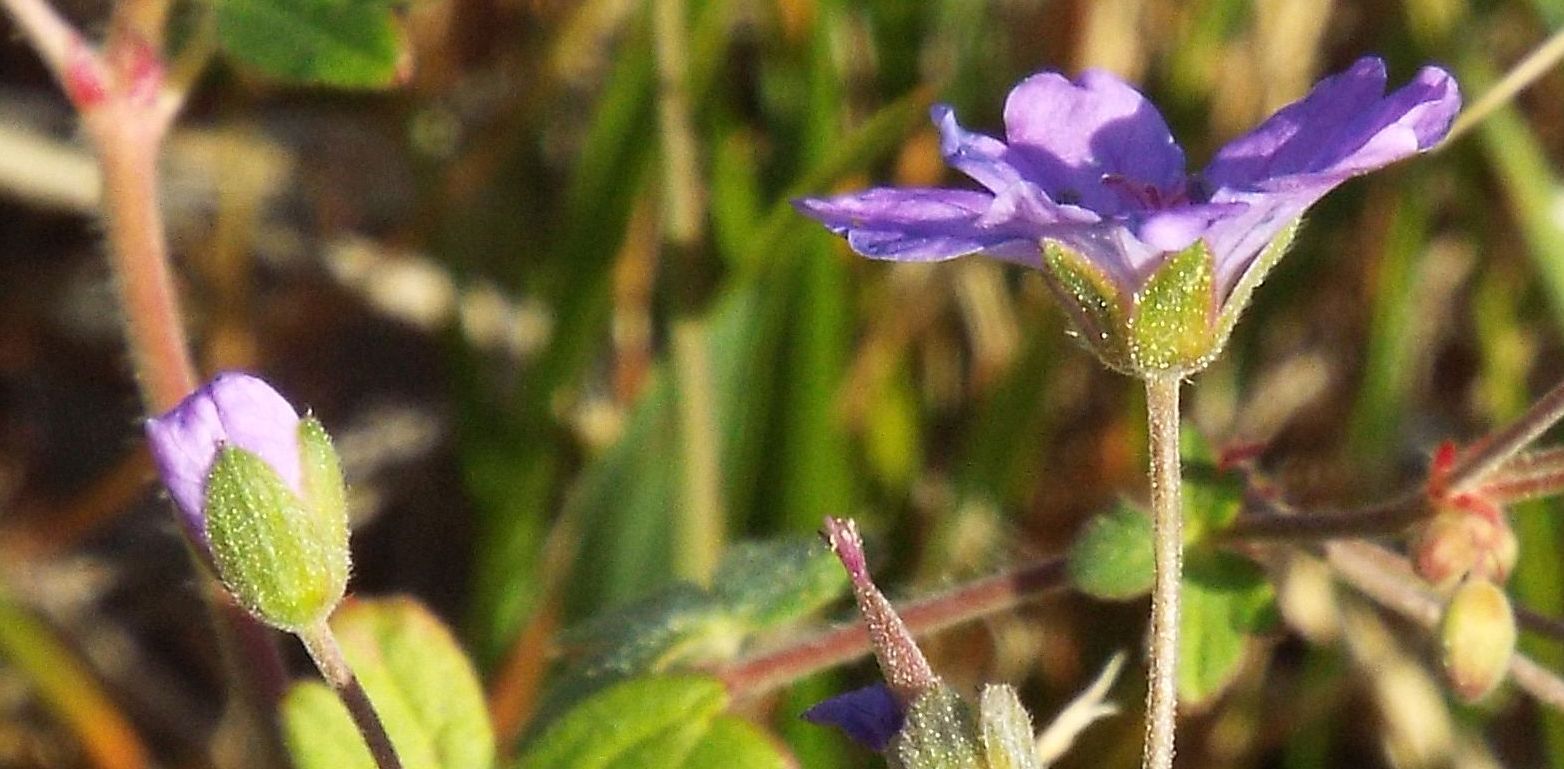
[138, 253]
[321, 643]
[1162, 688]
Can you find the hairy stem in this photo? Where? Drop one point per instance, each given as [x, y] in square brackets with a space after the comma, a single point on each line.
[1167, 517]
[766, 671]
[138, 253]
[321, 643]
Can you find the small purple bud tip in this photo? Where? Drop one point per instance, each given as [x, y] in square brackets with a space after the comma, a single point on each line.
[233, 409]
[870, 716]
[842, 536]
[906, 671]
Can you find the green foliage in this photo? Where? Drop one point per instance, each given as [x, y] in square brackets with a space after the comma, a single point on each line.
[1112, 558]
[1226, 599]
[341, 43]
[758, 587]
[655, 722]
[283, 558]
[420, 682]
[1212, 500]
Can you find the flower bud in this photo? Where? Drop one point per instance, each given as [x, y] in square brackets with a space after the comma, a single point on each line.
[1477, 635]
[261, 490]
[1459, 542]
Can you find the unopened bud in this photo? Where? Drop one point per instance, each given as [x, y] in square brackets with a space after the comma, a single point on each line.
[262, 491]
[1457, 543]
[1477, 634]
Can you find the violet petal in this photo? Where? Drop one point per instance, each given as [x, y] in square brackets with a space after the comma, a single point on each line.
[870, 716]
[1345, 126]
[911, 225]
[1071, 135]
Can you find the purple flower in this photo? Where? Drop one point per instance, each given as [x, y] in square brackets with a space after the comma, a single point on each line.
[232, 410]
[1091, 168]
[871, 715]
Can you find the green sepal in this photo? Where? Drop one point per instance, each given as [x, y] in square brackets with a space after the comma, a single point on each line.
[1238, 299]
[1006, 729]
[284, 562]
[321, 473]
[939, 733]
[1092, 301]
[1170, 324]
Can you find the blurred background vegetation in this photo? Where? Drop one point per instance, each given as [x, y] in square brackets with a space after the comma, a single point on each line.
[573, 341]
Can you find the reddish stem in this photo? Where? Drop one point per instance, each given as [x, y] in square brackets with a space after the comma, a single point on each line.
[769, 670]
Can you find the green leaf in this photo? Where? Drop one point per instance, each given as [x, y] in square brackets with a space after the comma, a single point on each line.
[1225, 599]
[285, 562]
[1212, 500]
[343, 43]
[614, 726]
[420, 682]
[1112, 557]
[758, 586]
[1170, 325]
[771, 584]
[733, 743]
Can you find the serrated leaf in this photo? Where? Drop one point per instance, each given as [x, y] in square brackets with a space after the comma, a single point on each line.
[613, 725]
[420, 682]
[343, 43]
[733, 743]
[1112, 558]
[1225, 599]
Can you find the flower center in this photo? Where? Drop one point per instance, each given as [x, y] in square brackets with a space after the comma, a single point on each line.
[1146, 197]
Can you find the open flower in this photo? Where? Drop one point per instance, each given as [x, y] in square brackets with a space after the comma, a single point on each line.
[260, 492]
[1153, 264]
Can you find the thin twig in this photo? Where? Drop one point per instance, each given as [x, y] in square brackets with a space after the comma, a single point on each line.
[1168, 542]
[1491, 452]
[327, 655]
[1272, 520]
[766, 671]
[1536, 64]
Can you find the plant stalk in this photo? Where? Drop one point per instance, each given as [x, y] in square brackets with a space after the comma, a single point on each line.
[1162, 414]
[321, 643]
